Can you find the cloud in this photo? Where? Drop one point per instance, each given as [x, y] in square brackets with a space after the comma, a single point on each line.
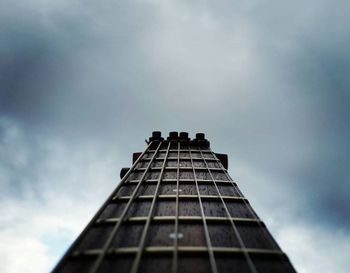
[50, 190]
[83, 83]
[314, 249]
[311, 245]
[23, 254]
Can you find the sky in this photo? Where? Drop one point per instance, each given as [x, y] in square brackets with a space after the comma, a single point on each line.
[84, 83]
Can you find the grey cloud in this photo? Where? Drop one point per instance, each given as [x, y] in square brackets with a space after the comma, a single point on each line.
[266, 81]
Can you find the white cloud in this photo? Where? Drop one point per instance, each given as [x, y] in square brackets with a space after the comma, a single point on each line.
[48, 203]
[34, 234]
[23, 254]
[315, 249]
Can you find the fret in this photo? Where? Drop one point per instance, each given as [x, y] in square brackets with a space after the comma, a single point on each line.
[182, 149]
[199, 181]
[181, 196]
[137, 260]
[184, 157]
[185, 249]
[174, 168]
[214, 219]
[207, 237]
[188, 205]
[278, 260]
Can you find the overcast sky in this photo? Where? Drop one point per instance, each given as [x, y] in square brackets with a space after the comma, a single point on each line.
[83, 83]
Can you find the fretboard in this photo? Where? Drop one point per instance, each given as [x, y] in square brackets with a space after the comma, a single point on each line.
[176, 210]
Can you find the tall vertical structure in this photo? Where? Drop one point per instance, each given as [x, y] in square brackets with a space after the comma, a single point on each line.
[176, 210]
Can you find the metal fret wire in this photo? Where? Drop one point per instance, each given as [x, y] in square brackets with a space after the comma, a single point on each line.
[260, 223]
[240, 241]
[150, 181]
[106, 246]
[92, 221]
[188, 197]
[183, 249]
[176, 231]
[160, 219]
[136, 263]
[207, 237]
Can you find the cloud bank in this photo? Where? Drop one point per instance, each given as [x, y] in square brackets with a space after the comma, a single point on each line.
[83, 83]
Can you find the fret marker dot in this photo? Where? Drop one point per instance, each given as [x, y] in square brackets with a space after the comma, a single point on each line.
[176, 236]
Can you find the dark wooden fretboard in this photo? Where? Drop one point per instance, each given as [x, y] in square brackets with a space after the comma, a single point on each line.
[175, 210]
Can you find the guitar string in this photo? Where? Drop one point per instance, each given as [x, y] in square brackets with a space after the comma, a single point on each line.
[206, 232]
[137, 260]
[113, 233]
[260, 223]
[237, 234]
[176, 229]
[82, 235]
